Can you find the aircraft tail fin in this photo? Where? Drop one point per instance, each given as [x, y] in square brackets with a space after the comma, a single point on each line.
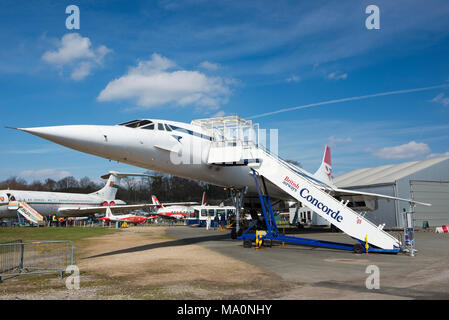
[324, 172]
[156, 201]
[203, 200]
[109, 191]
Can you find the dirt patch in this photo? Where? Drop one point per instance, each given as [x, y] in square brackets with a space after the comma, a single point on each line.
[144, 263]
[135, 256]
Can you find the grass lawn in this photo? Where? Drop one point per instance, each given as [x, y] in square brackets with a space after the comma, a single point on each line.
[52, 233]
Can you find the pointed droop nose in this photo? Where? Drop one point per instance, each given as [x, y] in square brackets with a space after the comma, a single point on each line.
[85, 138]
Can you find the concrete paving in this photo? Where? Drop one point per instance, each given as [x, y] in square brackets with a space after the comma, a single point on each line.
[424, 276]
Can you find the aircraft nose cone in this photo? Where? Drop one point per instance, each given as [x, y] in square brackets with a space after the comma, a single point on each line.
[51, 133]
[61, 134]
[118, 143]
[85, 138]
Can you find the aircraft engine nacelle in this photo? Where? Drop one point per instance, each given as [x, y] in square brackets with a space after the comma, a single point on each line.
[361, 202]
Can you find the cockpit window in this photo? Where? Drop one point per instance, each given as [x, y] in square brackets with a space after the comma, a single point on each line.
[129, 122]
[160, 126]
[149, 127]
[167, 127]
[139, 124]
[136, 123]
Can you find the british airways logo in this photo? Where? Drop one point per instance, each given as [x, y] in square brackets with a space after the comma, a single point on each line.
[177, 138]
[291, 184]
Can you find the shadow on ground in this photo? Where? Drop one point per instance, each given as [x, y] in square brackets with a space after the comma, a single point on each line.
[172, 243]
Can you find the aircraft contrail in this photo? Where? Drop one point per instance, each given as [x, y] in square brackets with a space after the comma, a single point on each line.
[348, 99]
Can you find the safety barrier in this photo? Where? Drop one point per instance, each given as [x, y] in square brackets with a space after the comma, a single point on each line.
[35, 257]
[442, 229]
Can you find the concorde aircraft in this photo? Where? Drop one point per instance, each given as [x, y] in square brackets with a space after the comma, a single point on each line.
[203, 150]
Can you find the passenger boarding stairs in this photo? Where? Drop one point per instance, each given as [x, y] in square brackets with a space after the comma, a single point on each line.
[26, 211]
[304, 188]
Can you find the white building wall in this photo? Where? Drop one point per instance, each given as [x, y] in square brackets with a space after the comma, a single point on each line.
[439, 172]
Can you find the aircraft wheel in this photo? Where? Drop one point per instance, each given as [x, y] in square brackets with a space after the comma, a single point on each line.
[358, 248]
[247, 243]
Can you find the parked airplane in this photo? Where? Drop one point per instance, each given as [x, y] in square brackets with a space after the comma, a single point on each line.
[221, 151]
[183, 150]
[33, 204]
[173, 209]
[130, 218]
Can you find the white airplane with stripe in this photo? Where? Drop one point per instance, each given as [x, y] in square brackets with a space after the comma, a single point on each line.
[173, 209]
[68, 204]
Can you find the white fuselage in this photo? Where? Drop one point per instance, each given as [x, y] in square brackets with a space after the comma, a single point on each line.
[48, 203]
[181, 152]
[178, 212]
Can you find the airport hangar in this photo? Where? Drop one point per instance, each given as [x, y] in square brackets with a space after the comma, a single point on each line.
[426, 181]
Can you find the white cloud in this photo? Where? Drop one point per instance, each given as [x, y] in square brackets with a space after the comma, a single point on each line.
[334, 140]
[76, 53]
[337, 76]
[293, 78]
[209, 65]
[438, 155]
[441, 100]
[152, 83]
[82, 71]
[44, 174]
[404, 151]
[220, 113]
[30, 151]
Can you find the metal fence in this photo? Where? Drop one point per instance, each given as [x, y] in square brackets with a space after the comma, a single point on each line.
[33, 257]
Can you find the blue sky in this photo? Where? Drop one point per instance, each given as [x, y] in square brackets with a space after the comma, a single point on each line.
[195, 59]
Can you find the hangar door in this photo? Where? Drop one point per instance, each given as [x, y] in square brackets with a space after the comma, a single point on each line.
[435, 193]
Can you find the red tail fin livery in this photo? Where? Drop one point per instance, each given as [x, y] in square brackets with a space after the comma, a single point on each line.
[324, 172]
[156, 202]
[203, 200]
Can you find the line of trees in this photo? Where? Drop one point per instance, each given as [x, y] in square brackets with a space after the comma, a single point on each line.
[132, 189]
